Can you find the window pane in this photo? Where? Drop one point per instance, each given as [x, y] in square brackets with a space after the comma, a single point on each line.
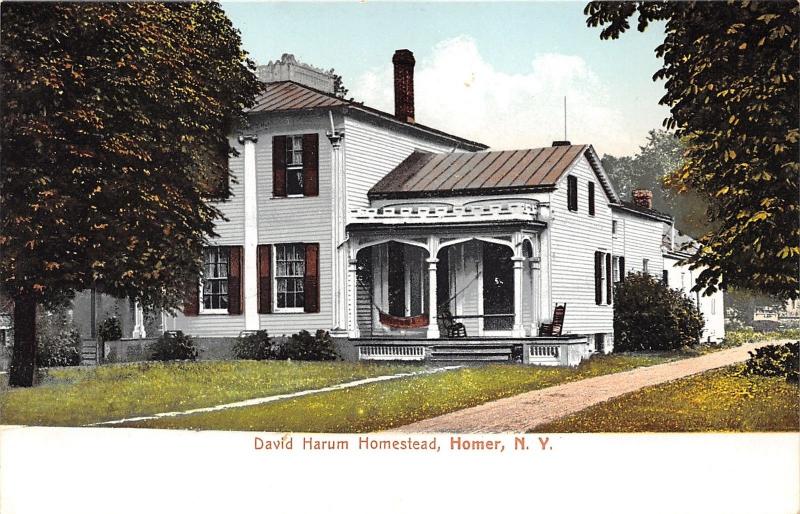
[294, 181]
[281, 299]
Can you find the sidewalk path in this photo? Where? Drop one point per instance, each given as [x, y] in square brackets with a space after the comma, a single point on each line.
[525, 411]
[274, 398]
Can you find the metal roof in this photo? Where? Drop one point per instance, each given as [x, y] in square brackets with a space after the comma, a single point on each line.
[436, 174]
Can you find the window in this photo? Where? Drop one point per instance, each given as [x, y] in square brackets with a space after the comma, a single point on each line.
[216, 267]
[614, 227]
[645, 264]
[290, 268]
[591, 198]
[615, 268]
[665, 277]
[600, 278]
[572, 193]
[294, 165]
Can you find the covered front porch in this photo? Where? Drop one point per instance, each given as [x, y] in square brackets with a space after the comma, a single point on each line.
[451, 283]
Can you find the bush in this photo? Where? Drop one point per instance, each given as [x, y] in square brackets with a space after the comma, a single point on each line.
[173, 346]
[258, 346]
[775, 360]
[305, 347]
[59, 350]
[110, 329]
[648, 315]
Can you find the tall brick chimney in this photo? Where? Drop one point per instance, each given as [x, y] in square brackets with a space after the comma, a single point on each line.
[643, 198]
[403, 61]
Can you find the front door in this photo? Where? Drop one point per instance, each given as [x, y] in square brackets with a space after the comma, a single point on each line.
[498, 288]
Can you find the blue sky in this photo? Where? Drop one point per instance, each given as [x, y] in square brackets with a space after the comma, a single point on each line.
[494, 72]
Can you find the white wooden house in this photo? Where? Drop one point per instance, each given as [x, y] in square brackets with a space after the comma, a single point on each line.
[387, 232]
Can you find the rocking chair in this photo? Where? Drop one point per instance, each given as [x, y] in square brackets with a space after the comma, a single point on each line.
[451, 327]
[554, 328]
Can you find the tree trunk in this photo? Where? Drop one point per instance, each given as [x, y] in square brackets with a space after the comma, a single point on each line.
[23, 359]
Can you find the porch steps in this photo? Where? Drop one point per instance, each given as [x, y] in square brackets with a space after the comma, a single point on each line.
[471, 353]
[88, 352]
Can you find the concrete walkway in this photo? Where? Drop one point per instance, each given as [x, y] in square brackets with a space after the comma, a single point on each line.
[525, 411]
[274, 398]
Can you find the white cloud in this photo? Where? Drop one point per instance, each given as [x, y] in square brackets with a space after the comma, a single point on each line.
[458, 91]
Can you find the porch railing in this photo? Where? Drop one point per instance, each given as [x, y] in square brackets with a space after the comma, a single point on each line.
[398, 215]
[391, 353]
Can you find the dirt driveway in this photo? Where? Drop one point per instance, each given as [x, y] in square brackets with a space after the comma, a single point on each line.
[525, 411]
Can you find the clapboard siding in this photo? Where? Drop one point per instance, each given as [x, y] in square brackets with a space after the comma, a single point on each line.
[712, 307]
[575, 236]
[372, 151]
[231, 232]
[639, 238]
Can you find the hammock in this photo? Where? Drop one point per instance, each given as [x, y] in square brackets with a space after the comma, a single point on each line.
[416, 321]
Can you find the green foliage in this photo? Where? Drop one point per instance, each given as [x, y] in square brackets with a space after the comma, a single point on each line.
[661, 155]
[731, 77]
[173, 347]
[110, 329]
[258, 347]
[305, 347]
[781, 360]
[648, 315]
[59, 350]
[119, 116]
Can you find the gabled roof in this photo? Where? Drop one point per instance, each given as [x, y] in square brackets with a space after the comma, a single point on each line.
[291, 96]
[463, 173]
[633, 208]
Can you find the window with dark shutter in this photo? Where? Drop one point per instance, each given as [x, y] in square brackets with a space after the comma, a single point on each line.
[264, 279]
[591, 198]
[665, 277]
[311, 279]
[191, 303]
[279, 166]
[215, 297]
[572, 193]
[235, 280]
[311, 164]
[622, 269]
[598, 278]
[609, 282]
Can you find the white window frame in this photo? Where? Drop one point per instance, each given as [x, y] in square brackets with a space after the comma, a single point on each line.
[275, 278]
[201, 308]
[614, 227]
[293, 166]
[615, 269]
[645, 266]
[603, 285]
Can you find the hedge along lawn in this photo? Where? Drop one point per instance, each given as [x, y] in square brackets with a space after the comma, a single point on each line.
[80, 396]
[394, 403]
[721, 400]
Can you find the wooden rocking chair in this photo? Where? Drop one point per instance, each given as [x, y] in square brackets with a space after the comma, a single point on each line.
[554, 328]
[451, 327]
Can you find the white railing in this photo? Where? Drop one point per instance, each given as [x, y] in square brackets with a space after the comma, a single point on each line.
[391, 353]
[516, 211]
[544, 352]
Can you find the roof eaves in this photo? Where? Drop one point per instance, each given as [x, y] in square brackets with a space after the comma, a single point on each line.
[397, 195]
[647, 213]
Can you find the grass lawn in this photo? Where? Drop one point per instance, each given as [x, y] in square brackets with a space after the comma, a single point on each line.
[721, 400]
[79, 396]
[394, 403]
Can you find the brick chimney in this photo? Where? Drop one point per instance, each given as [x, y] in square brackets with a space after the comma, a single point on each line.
[403, 61]
[643, 198]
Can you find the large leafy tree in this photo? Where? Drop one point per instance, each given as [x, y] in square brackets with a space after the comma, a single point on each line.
[731, 72]
[115, 124]
[661, 155]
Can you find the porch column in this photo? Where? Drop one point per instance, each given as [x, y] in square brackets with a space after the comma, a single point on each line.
[433, 320]
[339, 263]
[352, 299]
[535, 287]
[138, 321]
[518, 330]
[250, 271]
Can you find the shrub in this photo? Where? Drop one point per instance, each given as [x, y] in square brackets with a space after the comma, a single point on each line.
[775, 360]
[173, 346]
[110, 329]
[59, 350]
[648, 315]
[305, 347]
[258, 346]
